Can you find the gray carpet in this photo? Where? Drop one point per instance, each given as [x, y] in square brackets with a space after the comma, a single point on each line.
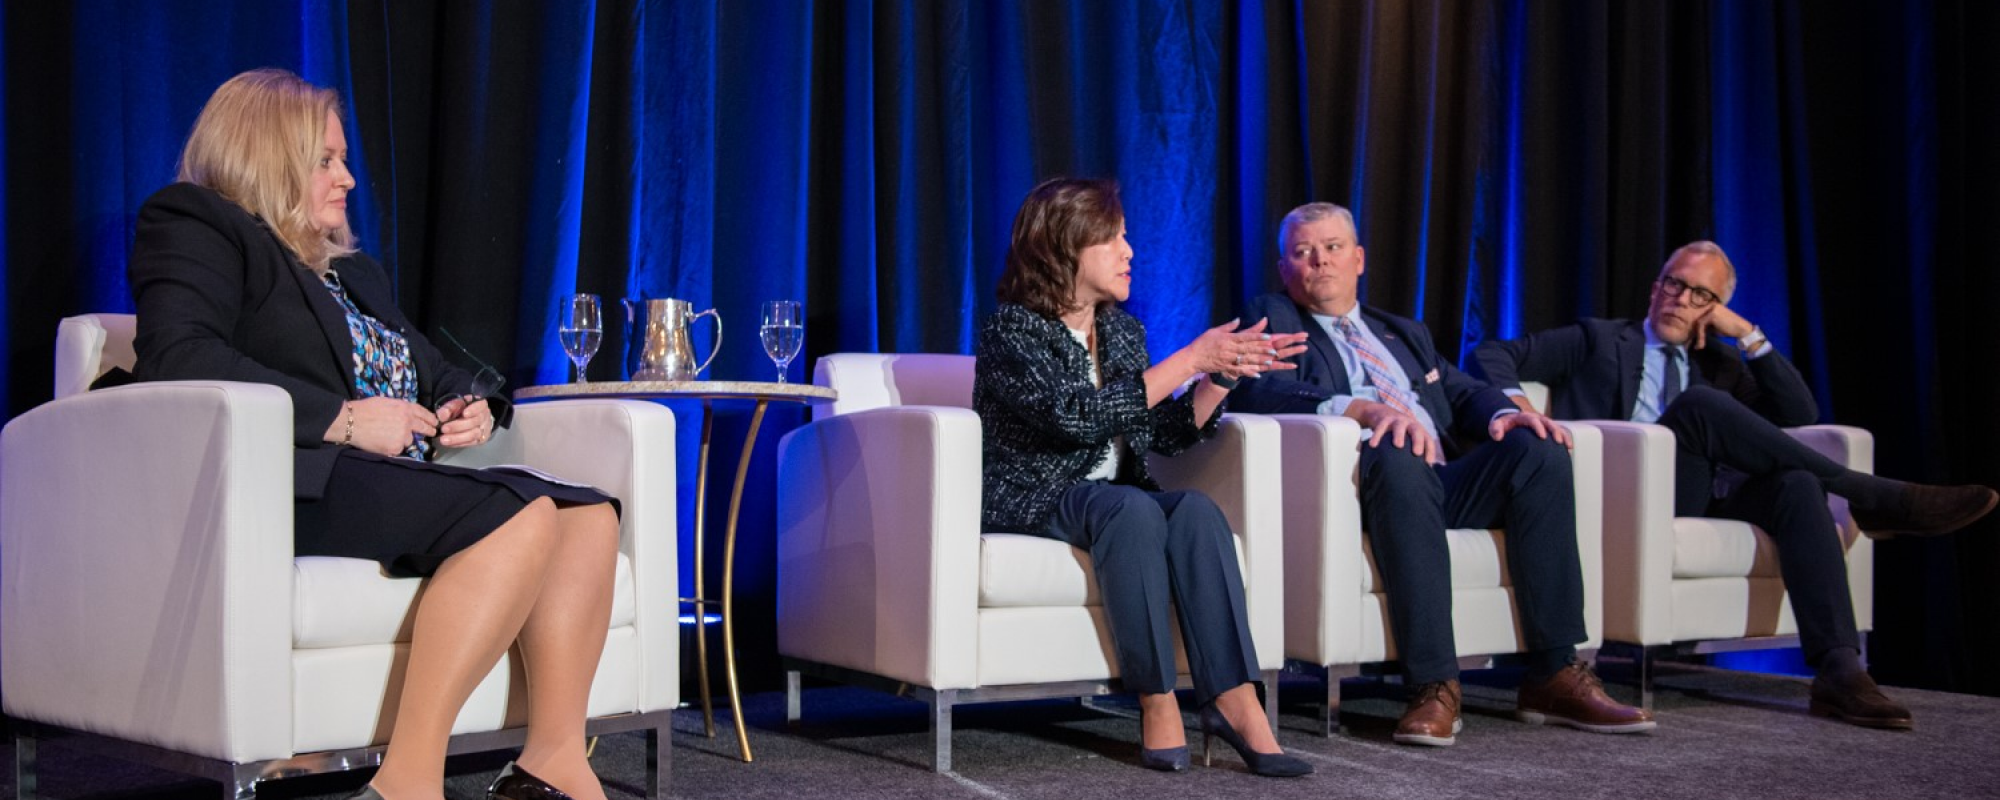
[1721, 734]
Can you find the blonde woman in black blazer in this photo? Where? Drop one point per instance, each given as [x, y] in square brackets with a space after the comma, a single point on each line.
[1069, 408]
[245, 271]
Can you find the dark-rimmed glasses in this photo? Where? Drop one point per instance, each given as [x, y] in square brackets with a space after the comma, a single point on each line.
[1675, 287]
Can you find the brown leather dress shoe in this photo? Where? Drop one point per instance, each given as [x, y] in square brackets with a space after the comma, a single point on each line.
[1575, 697]
[1432, 718]
[1855, 699]
[1928, 511]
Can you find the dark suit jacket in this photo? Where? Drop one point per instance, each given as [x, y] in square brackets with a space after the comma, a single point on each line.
[1593, 369]
[220, 298]
[1044, 422]
[1459, 404]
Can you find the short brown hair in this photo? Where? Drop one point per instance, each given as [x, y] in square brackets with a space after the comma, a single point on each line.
[256, 143]
[1059, 219]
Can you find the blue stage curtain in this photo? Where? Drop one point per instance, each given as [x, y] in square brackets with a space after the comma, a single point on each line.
[1513, 164]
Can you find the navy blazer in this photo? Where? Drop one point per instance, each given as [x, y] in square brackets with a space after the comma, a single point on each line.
[221, 298]
[1461, 405]
[1593, 369]
[1043, 422]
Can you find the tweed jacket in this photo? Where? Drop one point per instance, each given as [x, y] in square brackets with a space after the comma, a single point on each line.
[1045, 424]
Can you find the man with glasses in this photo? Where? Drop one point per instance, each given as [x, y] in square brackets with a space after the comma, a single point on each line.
[1725, 409]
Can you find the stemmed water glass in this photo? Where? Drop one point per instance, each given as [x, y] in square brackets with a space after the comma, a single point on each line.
[581, 329]
[783, 330]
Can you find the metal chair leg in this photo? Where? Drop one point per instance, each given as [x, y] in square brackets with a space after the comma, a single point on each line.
[1643, 663]
[659, 763]
[24, 767]
[1271, 698]
[941, 729]
[792, 709]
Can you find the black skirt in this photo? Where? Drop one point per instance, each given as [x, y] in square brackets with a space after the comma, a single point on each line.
[410, 516]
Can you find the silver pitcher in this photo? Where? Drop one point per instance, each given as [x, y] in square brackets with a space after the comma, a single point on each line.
[665, 350]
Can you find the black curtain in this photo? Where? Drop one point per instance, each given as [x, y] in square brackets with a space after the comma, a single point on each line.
[1514, 164]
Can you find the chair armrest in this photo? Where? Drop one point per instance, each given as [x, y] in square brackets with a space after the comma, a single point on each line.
[1240, 469]
[146, 566]
[625, 448]
[1638, 531]
[1324, 565]
[1587, 464]
[878, 543]
[1851, 447]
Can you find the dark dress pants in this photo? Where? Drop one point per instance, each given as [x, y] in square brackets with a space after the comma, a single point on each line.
[1523, 484]
[1155, 550]
[1784, 494]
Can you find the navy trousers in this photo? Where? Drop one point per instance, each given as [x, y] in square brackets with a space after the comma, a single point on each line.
[1522, 483]
[1156, 550]
[1784, 494]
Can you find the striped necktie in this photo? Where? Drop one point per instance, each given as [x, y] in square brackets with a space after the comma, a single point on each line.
[1376, 364]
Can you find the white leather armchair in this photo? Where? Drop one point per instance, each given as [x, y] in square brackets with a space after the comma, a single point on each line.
[151, 606]
[884, 576]
[1336, 607]
[1684, 585]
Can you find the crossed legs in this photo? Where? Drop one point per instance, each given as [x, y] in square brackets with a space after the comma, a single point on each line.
[543, 579]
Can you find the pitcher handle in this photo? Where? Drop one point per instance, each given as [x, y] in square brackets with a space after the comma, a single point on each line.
[717, 348]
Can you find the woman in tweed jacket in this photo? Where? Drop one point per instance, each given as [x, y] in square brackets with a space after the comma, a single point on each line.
[1069, 408]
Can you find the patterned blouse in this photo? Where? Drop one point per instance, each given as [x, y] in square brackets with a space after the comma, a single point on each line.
[383, 366]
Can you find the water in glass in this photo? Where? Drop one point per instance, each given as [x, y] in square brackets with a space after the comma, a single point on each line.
[783, 331]
[581, 330]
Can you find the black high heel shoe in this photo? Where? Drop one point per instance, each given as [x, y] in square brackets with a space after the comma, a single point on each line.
[1165, 759]
[515, 783]
[1269, 765]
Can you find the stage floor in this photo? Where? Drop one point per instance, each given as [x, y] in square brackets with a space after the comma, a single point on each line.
[1721, 734]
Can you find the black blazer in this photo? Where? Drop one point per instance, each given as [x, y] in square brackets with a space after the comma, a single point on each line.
[1045, 424]
[220, 298]
[1461, 405]
[1593, 369]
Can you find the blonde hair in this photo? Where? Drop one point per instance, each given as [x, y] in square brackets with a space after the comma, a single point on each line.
[257, 143]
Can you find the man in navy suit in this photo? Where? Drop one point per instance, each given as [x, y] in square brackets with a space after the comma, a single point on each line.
[1725, 406]
[1415, 481]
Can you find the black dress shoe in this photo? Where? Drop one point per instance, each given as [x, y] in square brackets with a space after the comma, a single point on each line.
[1928, 511]
[515, 783]
[1165, 759]
[1855, 699]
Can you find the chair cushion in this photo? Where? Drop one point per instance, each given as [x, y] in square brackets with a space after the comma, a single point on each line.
[1021, 571]
[1722, 548]
[342, 602]
[1478, 560]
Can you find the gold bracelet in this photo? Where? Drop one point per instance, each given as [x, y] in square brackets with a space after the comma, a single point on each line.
[347, 436]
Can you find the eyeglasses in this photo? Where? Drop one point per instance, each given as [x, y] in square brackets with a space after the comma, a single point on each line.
[487, 381]
[1675, 287]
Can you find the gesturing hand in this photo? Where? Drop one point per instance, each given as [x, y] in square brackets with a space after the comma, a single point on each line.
[1244, 353]
[1541, 425]
[1398, 427]
[465, 422]
[383, 425]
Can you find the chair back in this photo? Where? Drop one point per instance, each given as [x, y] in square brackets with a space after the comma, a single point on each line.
[89, 345]
[877, 380]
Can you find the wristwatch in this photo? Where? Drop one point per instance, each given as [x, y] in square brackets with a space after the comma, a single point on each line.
[1222, 380]
[1750, 342]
